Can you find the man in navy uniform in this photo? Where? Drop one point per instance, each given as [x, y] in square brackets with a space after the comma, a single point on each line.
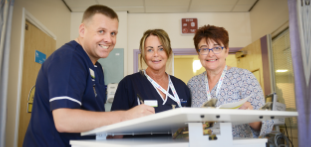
[70, 87]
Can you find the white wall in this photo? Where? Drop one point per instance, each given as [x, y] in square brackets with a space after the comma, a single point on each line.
[237, 24]
[268, 16]
[76, 19]
[133, 25]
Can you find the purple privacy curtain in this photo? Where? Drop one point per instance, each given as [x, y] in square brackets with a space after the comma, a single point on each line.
[6, 10]
[300, 31]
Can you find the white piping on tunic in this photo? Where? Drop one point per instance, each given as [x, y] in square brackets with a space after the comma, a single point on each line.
[65, 97]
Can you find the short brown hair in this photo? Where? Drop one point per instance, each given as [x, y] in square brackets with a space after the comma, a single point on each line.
[92, 10]
[218, 34]
[164, 40]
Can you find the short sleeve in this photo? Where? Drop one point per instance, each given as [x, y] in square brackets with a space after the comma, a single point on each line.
[253, 88]
[196, 91]
[67, 75]
[189, 84]
[183, 92]
[188, 96]
[122, 97]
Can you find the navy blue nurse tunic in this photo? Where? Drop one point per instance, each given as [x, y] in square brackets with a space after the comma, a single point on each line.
[128, 88]
[67, 79]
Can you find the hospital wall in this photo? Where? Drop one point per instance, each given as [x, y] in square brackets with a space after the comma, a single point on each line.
[56, 18]
[268, 17]
[237, 24]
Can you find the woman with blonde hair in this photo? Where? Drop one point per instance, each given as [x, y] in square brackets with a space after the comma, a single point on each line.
[152, 86]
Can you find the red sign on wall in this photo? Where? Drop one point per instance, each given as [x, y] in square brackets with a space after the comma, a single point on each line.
[189, 25]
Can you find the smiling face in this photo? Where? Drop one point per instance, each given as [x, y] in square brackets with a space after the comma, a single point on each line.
[155, 56]
[98, 36]
[211, 61]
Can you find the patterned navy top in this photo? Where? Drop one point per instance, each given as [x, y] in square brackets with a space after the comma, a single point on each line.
[237, 84]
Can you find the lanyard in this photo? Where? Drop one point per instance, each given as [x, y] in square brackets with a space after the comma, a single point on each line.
[218, 85]
[156, 85]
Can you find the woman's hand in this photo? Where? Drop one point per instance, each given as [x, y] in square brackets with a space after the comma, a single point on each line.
[248, 106]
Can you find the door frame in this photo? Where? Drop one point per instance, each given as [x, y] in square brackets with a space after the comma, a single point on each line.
[25, 16]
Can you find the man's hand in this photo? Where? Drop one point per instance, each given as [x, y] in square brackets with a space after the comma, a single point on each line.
[248, 106]
[139, 111]
[77, 120]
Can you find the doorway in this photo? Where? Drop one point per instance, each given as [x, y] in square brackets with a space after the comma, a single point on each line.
[34, 40]
[284, 82]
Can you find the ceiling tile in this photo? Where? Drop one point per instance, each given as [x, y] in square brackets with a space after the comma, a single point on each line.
[78, 9]
[246, 2]
[136, 10]
[242, 8]
[215, 8]
[166, 9]
[140, 9]
[84, 4]
[167, 2]
[121, 2]
[138, 6]
[213, 2]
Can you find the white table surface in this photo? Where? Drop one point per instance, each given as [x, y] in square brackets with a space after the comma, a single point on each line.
[171, 119]
[157, 142]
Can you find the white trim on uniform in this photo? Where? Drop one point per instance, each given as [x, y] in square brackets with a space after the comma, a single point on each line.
[65, 97]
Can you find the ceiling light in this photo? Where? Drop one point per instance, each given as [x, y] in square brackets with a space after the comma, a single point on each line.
[282, 70]
[196, 65]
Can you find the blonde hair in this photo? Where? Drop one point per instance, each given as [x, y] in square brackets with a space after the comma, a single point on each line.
[164, 40]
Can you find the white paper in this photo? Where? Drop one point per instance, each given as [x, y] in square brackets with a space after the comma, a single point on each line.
[234, 105]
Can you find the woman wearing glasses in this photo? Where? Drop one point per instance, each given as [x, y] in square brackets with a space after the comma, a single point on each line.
[224, 83]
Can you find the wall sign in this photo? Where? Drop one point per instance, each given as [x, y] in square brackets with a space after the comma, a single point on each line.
[189, 25]
[39, 57]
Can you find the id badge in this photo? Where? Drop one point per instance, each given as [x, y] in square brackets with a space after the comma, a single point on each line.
[152, 103]
[183, 102]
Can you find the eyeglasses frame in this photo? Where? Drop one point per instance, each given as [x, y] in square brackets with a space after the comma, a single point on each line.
[209, 49]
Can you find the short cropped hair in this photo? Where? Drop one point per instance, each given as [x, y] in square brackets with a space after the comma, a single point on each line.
[101, 9]
[163, 38]
[218, 34]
